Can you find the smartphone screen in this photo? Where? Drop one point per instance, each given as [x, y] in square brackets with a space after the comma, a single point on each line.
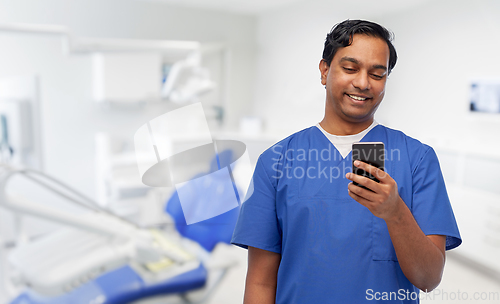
[372, 153]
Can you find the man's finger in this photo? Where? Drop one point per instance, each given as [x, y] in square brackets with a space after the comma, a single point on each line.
[363, 201]
[365, 194]
[381, 175]
[362, 180]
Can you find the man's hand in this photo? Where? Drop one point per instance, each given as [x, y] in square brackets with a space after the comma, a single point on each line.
[384, 200]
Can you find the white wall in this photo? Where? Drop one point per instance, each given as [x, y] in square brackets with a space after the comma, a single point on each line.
[441, 47]
[70, 118]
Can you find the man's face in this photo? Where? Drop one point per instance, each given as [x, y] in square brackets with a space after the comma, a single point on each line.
[355, 80]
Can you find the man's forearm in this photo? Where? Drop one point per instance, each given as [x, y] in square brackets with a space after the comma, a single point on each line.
[262, 276]
[259, 294]
[421, 257]
[421, 260]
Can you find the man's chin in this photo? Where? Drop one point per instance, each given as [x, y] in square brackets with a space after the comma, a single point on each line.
[358, 117]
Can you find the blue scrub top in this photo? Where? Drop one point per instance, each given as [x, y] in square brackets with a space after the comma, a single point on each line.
[333, 249]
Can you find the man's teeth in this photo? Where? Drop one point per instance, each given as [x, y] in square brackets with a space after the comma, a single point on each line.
[356, 97]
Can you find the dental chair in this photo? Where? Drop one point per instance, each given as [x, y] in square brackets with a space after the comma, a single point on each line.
[103, 259]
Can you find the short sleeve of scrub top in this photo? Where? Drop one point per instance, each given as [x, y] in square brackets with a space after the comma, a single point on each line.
[431, 207]
[264, 232]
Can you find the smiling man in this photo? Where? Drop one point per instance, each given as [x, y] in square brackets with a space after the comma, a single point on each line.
[355, 84]
[318, 238]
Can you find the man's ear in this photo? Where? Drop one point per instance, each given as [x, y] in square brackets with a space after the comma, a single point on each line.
[323, 68]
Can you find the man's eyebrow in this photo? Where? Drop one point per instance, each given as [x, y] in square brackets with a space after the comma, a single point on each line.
[354, 60]
[380, 66]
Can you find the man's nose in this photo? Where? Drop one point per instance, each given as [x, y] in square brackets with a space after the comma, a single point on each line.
[361, 81]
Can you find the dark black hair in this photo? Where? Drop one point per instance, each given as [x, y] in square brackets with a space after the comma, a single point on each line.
[341, 36]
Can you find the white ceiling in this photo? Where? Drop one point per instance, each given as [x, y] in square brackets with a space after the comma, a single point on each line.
[235, 6]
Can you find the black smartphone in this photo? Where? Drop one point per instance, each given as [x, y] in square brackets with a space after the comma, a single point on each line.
[372, 153]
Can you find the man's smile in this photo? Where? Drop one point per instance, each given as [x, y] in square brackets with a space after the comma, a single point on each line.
[357, 98]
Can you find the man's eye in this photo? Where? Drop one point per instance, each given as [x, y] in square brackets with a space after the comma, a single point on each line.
[377, 76]
[349, 69]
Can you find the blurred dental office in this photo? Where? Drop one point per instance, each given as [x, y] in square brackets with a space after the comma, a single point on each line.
[83, 82]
